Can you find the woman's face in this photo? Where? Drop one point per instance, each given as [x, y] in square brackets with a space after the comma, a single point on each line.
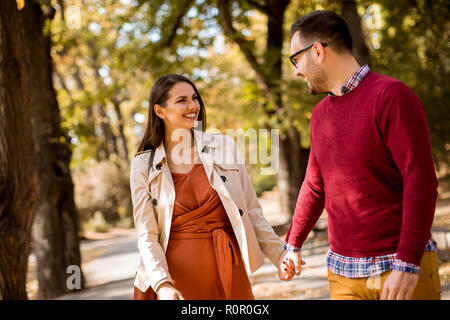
[182, 107]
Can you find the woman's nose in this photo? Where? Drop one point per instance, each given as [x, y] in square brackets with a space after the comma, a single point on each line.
[194, 104]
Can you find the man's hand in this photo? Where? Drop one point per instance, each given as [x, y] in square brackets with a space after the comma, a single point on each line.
[167, 292]
[286, 267]
[399, 285]
[289, 264]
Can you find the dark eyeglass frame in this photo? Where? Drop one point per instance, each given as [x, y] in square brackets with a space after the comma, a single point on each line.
[291, 57]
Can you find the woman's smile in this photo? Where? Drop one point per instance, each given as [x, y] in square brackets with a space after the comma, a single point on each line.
[190, 115]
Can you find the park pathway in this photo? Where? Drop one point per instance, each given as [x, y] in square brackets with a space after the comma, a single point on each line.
[110, 275]
[110, 264]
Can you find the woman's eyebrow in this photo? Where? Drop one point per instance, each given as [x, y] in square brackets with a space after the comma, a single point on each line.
[194, 95]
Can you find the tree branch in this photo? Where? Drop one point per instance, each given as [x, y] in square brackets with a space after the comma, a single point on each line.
[351, 16]
[179, 14]
[258, 6]
[227, 25]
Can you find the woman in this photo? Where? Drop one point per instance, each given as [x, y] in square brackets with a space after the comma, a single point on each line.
[199, 223]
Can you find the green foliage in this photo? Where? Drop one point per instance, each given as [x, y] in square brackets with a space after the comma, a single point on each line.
[263, 183]
[121, 47]
[414, 48]
[96, 223]
[102, 188]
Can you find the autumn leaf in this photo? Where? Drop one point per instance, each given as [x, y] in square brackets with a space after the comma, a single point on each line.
[20, 4]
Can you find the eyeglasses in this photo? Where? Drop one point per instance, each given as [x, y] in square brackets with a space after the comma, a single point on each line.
[300, 51]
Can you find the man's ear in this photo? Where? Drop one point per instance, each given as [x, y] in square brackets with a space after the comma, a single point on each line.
[319, 52]
[159, 111]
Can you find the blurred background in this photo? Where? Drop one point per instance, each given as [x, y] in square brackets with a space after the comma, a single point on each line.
[78, 74]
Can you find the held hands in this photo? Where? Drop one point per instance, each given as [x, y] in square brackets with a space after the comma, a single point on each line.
[167, 292]
[289, 264]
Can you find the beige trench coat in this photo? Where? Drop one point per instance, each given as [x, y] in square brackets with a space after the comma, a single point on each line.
[153, 198]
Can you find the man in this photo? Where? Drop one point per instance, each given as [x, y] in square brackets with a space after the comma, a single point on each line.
[370, 166]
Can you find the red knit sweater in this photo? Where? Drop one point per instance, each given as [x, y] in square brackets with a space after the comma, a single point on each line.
[370, 166]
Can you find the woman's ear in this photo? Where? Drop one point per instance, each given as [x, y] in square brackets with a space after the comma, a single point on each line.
[159, 111]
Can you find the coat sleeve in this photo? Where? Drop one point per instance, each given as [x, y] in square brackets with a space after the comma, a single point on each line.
[151, 251]
[270, 244]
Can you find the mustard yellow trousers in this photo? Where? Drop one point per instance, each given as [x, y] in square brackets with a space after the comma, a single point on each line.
[370, 288]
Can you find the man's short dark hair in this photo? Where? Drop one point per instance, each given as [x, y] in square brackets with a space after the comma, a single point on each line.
[324, 26]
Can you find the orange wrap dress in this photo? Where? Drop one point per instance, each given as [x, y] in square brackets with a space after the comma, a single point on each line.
[203, 255]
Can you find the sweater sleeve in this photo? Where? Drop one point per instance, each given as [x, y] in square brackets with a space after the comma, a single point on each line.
[403, 124]
[310, 202]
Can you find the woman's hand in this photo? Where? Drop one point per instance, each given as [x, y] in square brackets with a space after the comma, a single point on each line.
[287, 266]
[167, 292]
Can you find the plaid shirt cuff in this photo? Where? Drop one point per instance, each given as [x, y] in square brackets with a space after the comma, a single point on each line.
[402, 266]
[291, 248]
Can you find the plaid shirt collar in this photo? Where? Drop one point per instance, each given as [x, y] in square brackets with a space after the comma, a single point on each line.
[354, 81]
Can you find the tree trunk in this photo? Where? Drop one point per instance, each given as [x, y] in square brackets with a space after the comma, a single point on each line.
[293, 158]
[19, 190]
[109, 138]
[55, 230]
[88, 116]
[293, 163]
[351, 16]
[123, 139]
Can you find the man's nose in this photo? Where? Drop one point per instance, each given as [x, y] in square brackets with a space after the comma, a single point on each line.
[299, 72]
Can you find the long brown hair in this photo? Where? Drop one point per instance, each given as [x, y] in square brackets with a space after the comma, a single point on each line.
[154, 133]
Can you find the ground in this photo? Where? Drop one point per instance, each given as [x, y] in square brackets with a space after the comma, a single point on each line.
[103, 253]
